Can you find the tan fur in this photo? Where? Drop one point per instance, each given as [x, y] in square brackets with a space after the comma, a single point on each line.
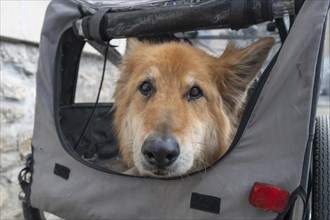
[203, 127]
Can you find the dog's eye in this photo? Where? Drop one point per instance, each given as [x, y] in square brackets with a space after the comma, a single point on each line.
[146, 88]
[194, 93]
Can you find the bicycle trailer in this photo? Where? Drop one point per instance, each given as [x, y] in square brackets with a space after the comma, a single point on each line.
[276, 157]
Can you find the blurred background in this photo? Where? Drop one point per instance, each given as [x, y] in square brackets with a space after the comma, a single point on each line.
[21, 23]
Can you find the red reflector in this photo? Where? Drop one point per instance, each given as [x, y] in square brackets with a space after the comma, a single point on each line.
[269, 198]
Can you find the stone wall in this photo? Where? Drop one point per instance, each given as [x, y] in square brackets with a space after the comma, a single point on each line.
[17, 93]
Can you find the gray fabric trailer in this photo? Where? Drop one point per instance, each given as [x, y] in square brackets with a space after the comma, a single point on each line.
[273, 144]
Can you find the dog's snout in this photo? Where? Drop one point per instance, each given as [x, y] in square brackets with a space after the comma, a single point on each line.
[160, 151]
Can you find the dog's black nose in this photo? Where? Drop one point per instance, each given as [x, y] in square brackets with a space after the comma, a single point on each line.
[160, 151]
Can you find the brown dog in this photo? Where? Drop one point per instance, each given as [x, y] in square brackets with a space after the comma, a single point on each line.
[178, 108]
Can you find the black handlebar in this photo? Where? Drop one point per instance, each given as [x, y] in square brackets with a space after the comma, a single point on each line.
[106, 24]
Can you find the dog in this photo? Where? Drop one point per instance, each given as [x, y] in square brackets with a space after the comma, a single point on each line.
[178, 108]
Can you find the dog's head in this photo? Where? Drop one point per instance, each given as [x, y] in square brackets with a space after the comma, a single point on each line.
[177, 108]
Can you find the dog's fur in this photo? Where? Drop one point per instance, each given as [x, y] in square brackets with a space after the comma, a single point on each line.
[204, 126]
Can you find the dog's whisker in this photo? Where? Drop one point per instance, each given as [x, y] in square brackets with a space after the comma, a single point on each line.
[198, 168]
[204, 144]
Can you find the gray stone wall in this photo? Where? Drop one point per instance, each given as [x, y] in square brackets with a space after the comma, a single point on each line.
[17, 93]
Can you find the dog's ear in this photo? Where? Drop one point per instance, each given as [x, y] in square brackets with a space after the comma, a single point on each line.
[132, 43]
[237, 69]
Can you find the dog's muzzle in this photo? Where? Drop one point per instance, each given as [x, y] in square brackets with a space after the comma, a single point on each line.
[160, 151]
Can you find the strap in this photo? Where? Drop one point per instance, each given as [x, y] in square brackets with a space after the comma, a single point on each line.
[95, 26]
[24, 179]
[281, 29]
